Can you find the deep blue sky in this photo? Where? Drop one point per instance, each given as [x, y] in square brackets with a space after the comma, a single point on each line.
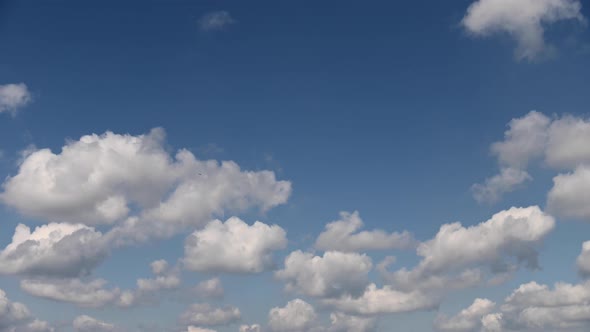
[386, 107]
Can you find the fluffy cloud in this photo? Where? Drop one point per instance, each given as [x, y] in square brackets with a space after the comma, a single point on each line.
[469, 319]
[385, 300]
[198, 329]
[16, 317]
[149, 289]
[343, 235]
[84, 294]
[347, 323]
[97, 179]
[583, 260]
[250, 328]
[570, 194]
[205, 315]
[217, 20]
[13, 97]
[493, 188]
[56, 249]
[12, 313]
[562, 145]
[523, 20]
[513, 233]
[211, 288]
[86, 323]
[233, 246]
[296, 316]
[333, 274]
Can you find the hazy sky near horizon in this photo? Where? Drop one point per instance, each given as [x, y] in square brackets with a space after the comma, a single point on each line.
[294, 166]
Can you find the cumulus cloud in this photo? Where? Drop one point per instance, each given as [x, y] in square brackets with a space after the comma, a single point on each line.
[56, 249]
[469, 319]
[16, 317]
[583, 260]
[523, 20]
[198, 329]
[385, 300]
[85, 294]
[346, 323]
[333, 274]
[13, 97]
[493, 188]
[513, 233]
[250, 328]
[211, 288]
[86, 323]
[344, 235]
[150, 289]
[99, 178]
[217, 20]
[570, 194]
[203, 314]
[561, 143]
[296, 316]
[233, 247]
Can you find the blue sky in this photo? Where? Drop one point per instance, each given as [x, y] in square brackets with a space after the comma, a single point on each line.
[389, 109]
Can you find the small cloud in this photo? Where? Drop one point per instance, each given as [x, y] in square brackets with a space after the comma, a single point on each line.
[524, 20]
[217, 20]
[13, 97]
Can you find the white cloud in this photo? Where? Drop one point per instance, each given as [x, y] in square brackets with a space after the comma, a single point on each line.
[583, 260]
[85, 294]
[13, 97]
[347, 323]
[205, 315]
[523, 20]
[16, 317]
[469, 319]
[567, 144]
[570, 194]
[533, 306]
[233, 246]
[211, 288]
[493, 188]
[333, 274]
[198, 329]
[86, 323]
[385, 300]
[343, 235]
[562, 145]
[56, 249]
[514, 233]
[12, 313]
[97, 179]
[250, 328]
[296, 316]
[217, 20]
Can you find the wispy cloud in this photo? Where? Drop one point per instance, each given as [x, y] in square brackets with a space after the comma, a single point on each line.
[216, 20]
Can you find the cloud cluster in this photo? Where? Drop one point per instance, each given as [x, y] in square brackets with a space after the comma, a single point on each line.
[523, 20]
[99, 178]
[16, 317]
[562, 144]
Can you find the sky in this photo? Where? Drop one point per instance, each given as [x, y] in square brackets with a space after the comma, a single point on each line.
[308, 166]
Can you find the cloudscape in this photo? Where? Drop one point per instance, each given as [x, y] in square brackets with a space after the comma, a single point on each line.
[307, 166]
